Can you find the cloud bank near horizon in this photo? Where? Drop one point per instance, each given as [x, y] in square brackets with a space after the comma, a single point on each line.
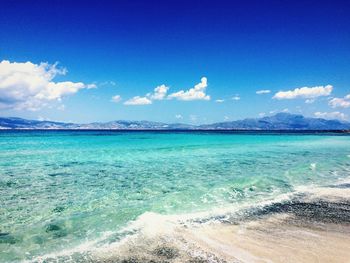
[331, 115]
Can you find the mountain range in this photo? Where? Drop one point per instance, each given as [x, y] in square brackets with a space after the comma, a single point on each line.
[280, 121]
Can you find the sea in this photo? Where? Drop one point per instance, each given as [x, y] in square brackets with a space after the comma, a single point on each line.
[66, 195]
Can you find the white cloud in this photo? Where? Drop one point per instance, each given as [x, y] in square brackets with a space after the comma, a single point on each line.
[91, 86]
[195, 93]
[331, 115]
[219, 101]
[29, 86]
[236, 97]
[309, 101]
[263, 91]
[178, 116]
[109, 83]
[137, 100]
[340, 102]
[226, 118]
[305, 92]
[262, 114]
[159, 93]
[116, 98]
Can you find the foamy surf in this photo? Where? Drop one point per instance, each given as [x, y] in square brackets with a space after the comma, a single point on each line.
[227, 235]
[292, 229]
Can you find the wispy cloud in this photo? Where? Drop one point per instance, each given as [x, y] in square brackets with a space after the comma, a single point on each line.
[340, 102]
[29, 86]
[137, 100]
[178, 116]
[107, 83]
[116, 98]
[219, 100]
[277, 111]
[263, 91]
[331, 115]
[305, 93]
[91, 86]
[309, 101]
[61, 107]
[40, 118]
[236, 97]
[195, 93]
[193, 118]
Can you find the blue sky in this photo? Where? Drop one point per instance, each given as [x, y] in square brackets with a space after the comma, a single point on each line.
[128, 48]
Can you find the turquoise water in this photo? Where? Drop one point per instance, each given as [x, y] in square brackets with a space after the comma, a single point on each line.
[59, 190]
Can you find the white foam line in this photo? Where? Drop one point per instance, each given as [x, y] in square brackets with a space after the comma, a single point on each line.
[153, 224]
[82, 248]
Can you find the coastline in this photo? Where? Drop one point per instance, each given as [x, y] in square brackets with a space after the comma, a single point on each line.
[313, 226]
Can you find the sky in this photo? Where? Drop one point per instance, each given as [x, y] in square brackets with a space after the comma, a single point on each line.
[174, 61]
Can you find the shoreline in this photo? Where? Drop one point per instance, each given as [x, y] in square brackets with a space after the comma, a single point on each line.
[311, 227]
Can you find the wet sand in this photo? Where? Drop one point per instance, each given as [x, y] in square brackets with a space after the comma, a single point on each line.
[275, 240]
[313, 226]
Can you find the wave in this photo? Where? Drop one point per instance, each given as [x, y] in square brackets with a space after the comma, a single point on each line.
[154, 236]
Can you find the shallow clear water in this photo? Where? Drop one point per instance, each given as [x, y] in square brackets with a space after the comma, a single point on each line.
[60, 189]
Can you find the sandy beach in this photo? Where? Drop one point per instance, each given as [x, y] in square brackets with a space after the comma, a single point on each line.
[276, 240]
[312, 227]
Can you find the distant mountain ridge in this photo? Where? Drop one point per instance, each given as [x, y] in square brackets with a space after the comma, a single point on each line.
[280, 121]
